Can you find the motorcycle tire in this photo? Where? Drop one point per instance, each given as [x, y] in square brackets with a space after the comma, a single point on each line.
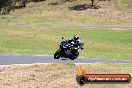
[56, 55]
[74, 56]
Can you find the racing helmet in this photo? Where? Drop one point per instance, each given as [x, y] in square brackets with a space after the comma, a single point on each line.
[75, 37]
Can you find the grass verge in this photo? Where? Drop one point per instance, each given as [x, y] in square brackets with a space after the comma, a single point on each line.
[99, 43]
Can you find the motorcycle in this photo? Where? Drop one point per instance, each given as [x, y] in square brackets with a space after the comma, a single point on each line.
[67, 50]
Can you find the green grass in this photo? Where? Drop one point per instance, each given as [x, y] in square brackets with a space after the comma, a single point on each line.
[118, 66]
[42, 38]
[99, 43]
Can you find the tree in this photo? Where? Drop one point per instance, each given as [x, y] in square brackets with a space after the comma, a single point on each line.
[7, 5]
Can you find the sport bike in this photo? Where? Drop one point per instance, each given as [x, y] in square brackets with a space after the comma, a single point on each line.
[67, 50]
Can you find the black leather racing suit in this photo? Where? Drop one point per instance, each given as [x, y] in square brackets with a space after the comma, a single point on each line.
[77, 43]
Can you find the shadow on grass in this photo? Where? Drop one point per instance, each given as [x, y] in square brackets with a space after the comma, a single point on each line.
[37, 0]
[19, 7]
[84, 7]
[55, 3]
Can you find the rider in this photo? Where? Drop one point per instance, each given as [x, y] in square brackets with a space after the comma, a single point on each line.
[76, 42]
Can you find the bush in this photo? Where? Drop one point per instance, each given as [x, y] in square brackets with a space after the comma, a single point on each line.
[54, 2]
[7, 5]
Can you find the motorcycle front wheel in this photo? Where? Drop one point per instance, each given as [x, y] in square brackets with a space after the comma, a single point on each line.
[56, 55]
[74, 56]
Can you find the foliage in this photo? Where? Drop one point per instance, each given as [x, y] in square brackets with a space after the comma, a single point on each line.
[7, 5]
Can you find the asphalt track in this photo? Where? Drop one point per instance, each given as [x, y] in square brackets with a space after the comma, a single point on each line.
[28, 59]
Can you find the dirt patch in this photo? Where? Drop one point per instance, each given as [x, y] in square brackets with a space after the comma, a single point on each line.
[105, 14]
[55, 75]
[99, 12]
[119, 29]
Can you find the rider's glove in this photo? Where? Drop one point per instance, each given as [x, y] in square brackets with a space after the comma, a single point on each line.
[82, 48]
